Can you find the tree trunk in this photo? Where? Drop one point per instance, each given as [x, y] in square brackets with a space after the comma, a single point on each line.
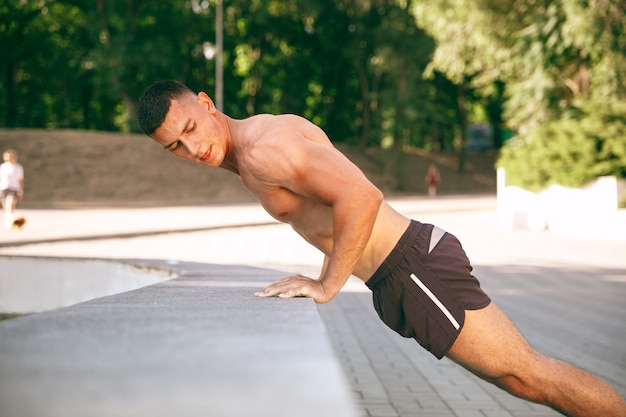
[399, 134]
[494, 112]
[11, 112]
[462, 115]
[365, 111]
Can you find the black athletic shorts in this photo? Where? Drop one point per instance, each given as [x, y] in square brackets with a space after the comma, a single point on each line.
[424, 287]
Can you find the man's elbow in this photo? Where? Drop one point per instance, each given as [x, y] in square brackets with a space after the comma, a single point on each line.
[367, 198]
[372, 196]
[377, 195]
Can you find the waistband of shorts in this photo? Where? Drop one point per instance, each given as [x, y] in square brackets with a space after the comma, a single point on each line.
[396, 255]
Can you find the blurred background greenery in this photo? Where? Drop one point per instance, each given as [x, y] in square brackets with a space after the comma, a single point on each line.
[391, 74]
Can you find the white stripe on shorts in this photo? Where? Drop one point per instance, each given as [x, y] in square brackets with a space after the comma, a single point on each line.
[435, 300]
[435, 237]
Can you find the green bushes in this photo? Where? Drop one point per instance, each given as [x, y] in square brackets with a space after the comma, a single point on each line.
[588, 142]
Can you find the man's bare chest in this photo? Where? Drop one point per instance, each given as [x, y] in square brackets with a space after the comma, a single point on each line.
[310, 218]
[301, 212]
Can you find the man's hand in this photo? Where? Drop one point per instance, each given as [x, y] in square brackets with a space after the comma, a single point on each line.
[296, 286]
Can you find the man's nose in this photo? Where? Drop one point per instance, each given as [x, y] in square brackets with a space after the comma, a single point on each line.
[191, 146]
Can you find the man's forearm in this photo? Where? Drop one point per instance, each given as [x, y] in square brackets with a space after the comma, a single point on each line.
[353, 225]
[340, 267]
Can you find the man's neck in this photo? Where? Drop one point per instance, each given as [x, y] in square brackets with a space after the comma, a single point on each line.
[230, 162]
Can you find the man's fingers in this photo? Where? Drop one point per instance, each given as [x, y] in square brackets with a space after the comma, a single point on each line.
[302, 291]
[282, 291]
[266, 292]
[272, 290]
[286, 288]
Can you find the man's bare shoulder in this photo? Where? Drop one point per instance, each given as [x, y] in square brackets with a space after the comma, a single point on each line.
[284, 129]
[269, 120]
[277, 146]
[265, 143]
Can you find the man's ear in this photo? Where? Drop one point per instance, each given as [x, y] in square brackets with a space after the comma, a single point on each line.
[206, 101]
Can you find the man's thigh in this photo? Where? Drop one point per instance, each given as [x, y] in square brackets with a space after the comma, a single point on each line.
[490, 345]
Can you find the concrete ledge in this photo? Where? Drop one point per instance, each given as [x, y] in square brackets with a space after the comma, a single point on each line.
[197, 345]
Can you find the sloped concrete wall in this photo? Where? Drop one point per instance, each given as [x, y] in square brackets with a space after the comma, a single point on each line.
[36, 284]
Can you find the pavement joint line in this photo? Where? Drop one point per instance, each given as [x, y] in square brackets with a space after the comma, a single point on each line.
[146, 233]
[130, 235]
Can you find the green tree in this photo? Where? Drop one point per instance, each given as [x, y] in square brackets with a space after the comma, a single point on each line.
[353, 67]
[547, 55]
[139, 42]
[21, 34]
[468, 53]
[588, 142]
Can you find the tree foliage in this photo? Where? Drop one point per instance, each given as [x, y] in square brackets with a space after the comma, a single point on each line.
[83, 64]
[548, 54]
[588, 142]
[391, 73]
[549, 60]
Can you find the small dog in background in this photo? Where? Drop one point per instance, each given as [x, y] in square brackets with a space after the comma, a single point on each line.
[18, 223]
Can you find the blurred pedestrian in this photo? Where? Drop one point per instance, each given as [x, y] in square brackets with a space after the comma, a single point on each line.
[11, 187]
[432, 180]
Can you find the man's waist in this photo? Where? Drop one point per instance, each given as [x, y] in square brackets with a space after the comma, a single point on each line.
[395, 255]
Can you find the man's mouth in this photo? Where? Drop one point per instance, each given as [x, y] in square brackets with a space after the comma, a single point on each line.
[206, 156]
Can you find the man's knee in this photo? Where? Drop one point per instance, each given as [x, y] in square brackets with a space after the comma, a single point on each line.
[524, 383]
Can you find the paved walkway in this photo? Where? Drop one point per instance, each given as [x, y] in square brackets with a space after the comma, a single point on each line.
[566, 293]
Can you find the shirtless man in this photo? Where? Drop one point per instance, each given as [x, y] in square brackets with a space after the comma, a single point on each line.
[419, 274]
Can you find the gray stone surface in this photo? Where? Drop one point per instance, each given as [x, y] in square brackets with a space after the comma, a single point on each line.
[198, 345]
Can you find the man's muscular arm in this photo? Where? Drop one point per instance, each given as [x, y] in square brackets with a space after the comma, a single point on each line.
[324, 175]
[354, 214]
[353, 220]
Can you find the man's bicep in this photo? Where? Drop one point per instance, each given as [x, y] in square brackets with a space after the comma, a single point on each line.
[327, 174]
[307, 168]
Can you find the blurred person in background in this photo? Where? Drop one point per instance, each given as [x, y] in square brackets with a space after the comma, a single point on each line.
[432, 180]
[11, 187]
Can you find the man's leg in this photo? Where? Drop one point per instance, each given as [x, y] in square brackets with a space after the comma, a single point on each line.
[491, 347]
[9, 206]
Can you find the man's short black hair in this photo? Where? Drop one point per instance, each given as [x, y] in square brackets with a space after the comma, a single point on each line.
[155, 103]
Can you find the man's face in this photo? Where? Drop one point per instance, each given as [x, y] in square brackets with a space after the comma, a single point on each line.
[192, 130]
